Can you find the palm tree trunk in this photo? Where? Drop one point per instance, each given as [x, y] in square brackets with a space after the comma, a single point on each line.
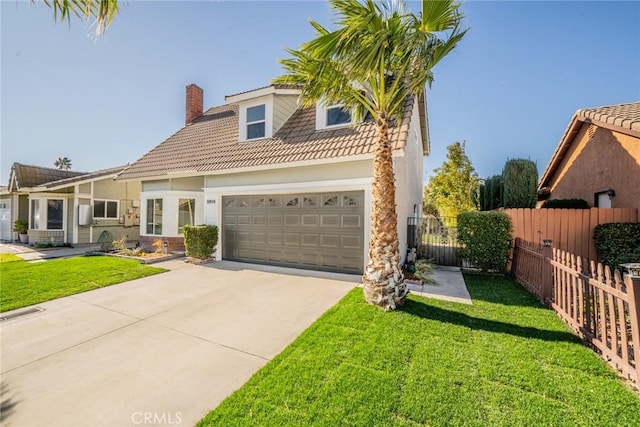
[383, 280]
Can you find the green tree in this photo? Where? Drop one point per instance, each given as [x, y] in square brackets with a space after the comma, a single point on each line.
[454, 186]
[63, 163]
[103, 11]
[371, 63]
[519, 184]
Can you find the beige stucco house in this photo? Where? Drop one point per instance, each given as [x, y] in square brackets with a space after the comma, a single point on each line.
[598, 159]
[286, 185]
[69, 206]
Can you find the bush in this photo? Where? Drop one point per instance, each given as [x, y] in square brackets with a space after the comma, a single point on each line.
[200, 240]
[617, 242]
[485, 239]
[519, 184]
[566, 204]
[492, 193]
[20, 226]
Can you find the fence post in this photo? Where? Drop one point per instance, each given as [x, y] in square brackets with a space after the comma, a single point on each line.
[633, 290]
[547, 272]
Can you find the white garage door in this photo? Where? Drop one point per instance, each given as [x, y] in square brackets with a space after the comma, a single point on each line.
[321, 231]
[5, 219]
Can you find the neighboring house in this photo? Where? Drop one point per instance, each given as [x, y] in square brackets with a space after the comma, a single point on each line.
[286, 185]
[598, 159]
[70, 207]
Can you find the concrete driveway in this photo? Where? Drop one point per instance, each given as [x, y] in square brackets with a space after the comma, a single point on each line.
[162, 350]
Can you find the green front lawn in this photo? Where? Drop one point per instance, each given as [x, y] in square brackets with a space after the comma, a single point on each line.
[503, 361]
[23, 283]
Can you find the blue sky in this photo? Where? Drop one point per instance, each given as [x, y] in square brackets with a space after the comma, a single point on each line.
[509, 90]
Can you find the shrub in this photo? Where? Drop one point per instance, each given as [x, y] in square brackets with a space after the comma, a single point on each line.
[200, 240]
[617, 242]
[492, 193]
[485, 239]
[566, 204]
[520, 182]
[20, 226]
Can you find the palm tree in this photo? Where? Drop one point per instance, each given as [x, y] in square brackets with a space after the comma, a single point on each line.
[376, 58]
[63, 163]
[102, 10]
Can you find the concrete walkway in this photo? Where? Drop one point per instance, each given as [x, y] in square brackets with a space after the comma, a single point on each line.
[162, 350]
[28, 253]
[449, 286]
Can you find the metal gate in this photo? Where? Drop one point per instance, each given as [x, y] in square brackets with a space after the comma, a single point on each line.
[439, 241]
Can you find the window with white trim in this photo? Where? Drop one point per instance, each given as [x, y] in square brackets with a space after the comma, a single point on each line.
[105, 209]
[256, 121]
[47, 214]
[336, 115]
[35, 214]
[154, 216]
[331, 115]
[186, 216]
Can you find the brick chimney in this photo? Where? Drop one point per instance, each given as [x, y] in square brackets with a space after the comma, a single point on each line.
[195, 100]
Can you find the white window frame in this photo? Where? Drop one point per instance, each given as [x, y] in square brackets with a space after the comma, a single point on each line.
[193, 213]
[43, 214]
[170, 210]
[117, 202]
[322, 111]
[268, 118]
[146, 215]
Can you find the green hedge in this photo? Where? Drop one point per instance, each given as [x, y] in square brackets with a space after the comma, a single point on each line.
[200, 240]
[617, 242]
[519, 184]
[486, 239]
[566, 204]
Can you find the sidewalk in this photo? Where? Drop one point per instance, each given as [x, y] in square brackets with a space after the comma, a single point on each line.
[449, 286]
[30, 254]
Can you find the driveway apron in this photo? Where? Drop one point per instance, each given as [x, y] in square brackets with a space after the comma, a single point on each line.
[162, 350]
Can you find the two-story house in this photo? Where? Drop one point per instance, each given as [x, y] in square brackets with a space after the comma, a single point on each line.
[286, 185]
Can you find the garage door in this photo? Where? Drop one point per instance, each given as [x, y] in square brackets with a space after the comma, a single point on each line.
[5, 219]
[321, 231]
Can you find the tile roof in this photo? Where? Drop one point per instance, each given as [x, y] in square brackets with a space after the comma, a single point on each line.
[625, 116]
[211, 143]
[85, 177]
[34, 176]
[275, 86]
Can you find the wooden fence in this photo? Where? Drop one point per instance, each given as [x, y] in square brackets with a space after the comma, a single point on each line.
[571, 230]
[601, 306]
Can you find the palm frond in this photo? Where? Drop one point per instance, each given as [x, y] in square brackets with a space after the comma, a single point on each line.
[102, 10]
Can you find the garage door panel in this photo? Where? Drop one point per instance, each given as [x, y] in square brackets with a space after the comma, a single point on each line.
[321, 231]
[350, 242]
[330, 241]
[310, 240]
[351, 221]
[275, 238]
[292, 220]
[310, 220]
[330, 220]
[275, 220]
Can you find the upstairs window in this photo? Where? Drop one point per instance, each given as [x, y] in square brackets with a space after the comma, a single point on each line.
[336, 115]
[256, 122]
[331, 115]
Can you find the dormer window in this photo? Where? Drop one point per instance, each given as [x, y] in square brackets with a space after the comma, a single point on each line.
[256, 121]
[331, 115]
[336, 115]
